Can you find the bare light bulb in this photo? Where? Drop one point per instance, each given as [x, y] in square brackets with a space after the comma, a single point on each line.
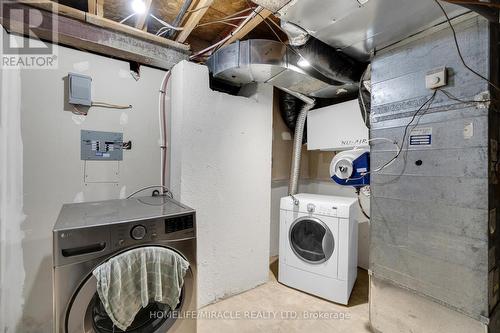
[138, 6]
[303, 63]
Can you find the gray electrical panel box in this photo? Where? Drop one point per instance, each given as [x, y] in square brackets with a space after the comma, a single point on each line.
[79, 89]
[101, 146]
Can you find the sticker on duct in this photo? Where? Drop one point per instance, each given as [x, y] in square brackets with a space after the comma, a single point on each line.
[421, 136]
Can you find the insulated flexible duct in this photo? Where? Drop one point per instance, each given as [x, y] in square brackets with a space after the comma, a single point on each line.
[297, 149]
[335, 65]
[290, 107]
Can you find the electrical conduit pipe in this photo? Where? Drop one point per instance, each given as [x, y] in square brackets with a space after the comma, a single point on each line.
[163, 129]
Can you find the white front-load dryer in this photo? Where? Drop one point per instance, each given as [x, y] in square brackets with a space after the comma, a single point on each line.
[318, 245]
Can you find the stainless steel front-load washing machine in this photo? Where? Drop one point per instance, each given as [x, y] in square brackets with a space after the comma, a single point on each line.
[88, 234]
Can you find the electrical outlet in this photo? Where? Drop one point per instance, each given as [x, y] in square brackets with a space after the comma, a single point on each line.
[436, 78]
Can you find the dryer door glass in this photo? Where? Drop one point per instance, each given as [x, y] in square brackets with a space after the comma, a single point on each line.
[311, 240]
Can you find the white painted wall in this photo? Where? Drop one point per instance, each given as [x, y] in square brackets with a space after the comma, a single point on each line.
[53, 171]
[221, 166]
[12, 272]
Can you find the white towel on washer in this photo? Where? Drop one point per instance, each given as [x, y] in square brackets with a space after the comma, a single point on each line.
[131, 280]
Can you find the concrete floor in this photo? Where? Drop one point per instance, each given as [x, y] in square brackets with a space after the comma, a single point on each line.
[273, 307]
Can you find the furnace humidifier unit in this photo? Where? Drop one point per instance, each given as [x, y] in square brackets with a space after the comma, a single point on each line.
[351, 167]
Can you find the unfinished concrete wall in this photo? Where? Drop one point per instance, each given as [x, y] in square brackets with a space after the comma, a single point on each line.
[221, 166]
[431, 208]
[51, 170]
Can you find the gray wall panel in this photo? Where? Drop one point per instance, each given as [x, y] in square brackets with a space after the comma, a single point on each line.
[459, 192]
[433, 50]
[429, 223]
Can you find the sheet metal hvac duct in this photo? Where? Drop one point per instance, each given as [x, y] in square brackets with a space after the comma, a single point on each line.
[325, 73]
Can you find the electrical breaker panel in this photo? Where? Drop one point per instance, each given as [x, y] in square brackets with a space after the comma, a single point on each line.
[105, 146]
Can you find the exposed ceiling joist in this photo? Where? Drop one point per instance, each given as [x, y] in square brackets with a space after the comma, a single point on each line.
[141, 19]
[241, 32]
[194, 19]
[92, 6]
[99, 8]
[96, 34]
[102, 22]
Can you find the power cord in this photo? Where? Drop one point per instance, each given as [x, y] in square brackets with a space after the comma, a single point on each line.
[458, 48]
[454, 98]
[358, 190]
[428, 102]
[111, 106]
[166, 190]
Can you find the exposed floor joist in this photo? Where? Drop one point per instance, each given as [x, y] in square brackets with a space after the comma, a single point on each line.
[99, 8]
[101, 36]
[194, 19]
[100, 21]
[141, 19]
[250, 25]
[92, 6]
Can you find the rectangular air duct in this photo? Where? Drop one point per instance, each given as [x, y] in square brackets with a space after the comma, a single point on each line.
[434, 221]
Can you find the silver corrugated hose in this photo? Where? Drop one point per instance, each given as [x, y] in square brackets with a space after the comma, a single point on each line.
[297, 149]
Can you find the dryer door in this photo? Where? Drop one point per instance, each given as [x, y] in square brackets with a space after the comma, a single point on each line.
[311, 240]
[86, 313]
[312, 244]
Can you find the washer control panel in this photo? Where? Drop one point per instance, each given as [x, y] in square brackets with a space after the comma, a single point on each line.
[138, 232]
[328, 210]
[174, 227]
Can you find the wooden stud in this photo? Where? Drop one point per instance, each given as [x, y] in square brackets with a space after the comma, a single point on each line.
[141, 19]
[193, 20]
[92, 6]
[99, 8]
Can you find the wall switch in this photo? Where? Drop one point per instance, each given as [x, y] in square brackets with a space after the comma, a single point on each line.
[436, 78]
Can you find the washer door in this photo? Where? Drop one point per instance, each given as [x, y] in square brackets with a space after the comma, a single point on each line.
[311, 240]
[87, 315]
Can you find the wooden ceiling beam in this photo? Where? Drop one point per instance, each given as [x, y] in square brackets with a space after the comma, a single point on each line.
[260, 15]
[96, 34]
[193, 20]
[141, 19]
[102, 22]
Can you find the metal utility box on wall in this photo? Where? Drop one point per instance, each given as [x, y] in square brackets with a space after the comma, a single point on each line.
[101, 146]
[434, 240]
[336, 127]
[79, 89]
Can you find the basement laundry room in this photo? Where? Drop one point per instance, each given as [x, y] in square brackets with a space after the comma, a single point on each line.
[213, 166]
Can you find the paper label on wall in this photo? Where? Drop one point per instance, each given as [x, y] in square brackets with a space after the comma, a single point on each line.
[468, 131]
[421, 136]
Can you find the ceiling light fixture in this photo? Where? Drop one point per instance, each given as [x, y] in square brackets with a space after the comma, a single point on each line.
[138, 6]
